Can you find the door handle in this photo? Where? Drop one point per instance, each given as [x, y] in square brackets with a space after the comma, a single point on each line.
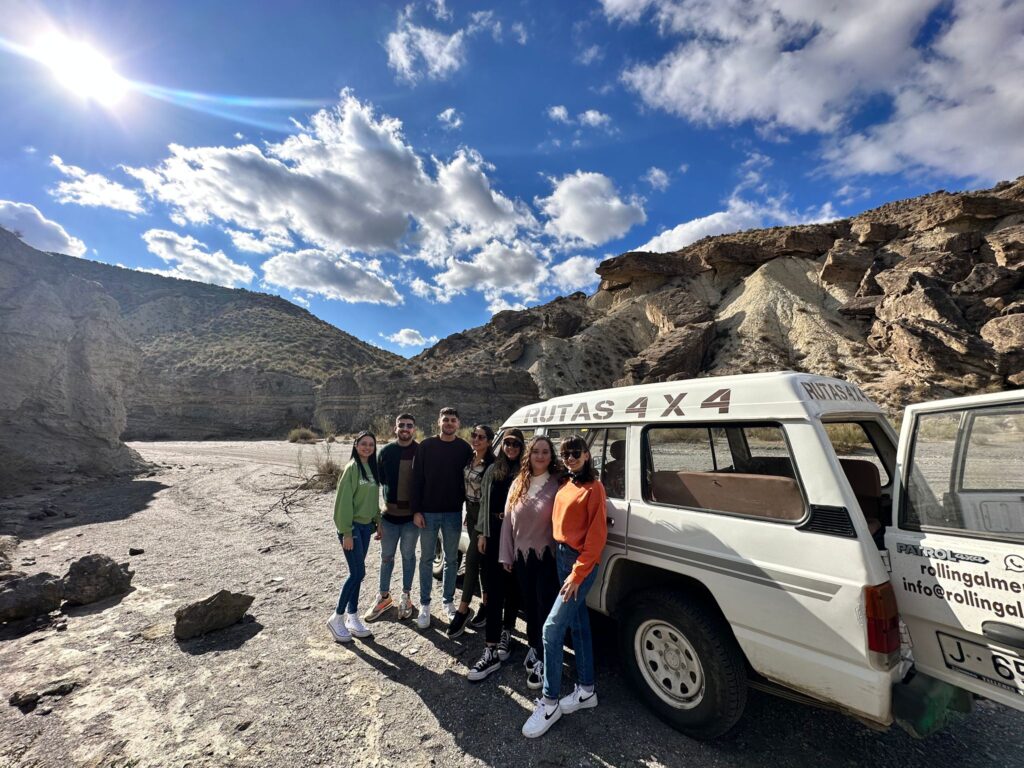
[1007, 634]
[610, 521]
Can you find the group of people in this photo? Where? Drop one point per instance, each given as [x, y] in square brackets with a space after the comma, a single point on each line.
[537, 525]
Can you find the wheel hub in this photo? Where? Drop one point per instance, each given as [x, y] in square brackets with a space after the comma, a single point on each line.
[669, 664]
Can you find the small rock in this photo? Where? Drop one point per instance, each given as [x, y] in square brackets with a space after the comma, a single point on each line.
[244, 725]
[95, 577]
[132, 551]
[49, 511]
[215, 612]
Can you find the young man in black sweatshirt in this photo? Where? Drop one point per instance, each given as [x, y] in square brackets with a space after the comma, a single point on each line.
[438, 493]
[394, 463]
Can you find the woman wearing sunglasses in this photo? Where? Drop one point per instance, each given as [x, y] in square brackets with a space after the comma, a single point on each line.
[528, 545]
[579, 526]
[502, 592]
[480, 439]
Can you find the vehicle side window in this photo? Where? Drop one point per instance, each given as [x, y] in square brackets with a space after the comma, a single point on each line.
[851, 443]
[966, 472]
[608, 452]
[736, 469]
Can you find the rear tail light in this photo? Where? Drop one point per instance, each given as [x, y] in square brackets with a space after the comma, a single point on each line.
[883, 618]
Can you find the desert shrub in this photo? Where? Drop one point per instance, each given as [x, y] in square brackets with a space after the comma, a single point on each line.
[331, 438]
[302, 435]
[321, 471]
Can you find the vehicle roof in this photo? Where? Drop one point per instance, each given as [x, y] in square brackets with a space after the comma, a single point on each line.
[780, 395]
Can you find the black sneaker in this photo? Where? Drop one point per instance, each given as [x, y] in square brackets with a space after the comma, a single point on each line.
[505, 645]
[458, 624]
[488, 663]
[479, 620]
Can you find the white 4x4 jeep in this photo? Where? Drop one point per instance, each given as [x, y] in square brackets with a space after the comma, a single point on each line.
[766, 530]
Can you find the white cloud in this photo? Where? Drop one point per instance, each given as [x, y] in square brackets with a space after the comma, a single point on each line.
[415, 51]
[239, 136]
[495, 269]
[594, 119]
[591, 54]
[192, 260]
[440, 10]
[450, 119]
[25, 221]
[586, 206]
[796, 65]
[484, 21]
[850, 193]
[559, 114]
[28, 149]
[959, 110]
[92, 189]
[657, 178]
[301, 300]
[519, 30]
[409, 337]
[332, 276]
[575, 274]
[346, 182]
[269, 242]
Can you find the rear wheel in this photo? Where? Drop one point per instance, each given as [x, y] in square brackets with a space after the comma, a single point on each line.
[682, 658]
[439, 562]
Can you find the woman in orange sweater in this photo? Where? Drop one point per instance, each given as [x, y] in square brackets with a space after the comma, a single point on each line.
[579, 525]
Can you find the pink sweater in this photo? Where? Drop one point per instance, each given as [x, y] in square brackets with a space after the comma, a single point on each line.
[528, 524]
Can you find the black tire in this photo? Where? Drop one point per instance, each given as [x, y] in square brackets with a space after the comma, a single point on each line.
[683, 660]
[438, 567]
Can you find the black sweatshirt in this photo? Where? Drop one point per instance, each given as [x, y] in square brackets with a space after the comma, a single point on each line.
[437, 481]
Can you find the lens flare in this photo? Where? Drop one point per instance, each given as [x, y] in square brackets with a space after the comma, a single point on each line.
[80, 68]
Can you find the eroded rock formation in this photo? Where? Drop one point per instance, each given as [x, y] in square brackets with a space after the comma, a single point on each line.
[914, 300]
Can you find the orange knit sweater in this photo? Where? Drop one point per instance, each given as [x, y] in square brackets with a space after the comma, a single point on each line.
[579, 519]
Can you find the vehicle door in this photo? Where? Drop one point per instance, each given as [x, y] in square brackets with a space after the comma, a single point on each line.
[957, 547]
[608, 454]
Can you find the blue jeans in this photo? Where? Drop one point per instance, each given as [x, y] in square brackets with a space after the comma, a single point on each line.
[348, 600]
[393, 535]
[572, 615]
[449, 524]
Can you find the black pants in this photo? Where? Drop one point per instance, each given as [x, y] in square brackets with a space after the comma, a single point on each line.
[538, 587]
[475, 580]
[502, 590]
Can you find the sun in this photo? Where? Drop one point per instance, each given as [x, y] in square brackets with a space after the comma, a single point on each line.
[81, 69]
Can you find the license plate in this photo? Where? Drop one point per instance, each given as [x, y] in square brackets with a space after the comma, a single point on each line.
[1004, 670]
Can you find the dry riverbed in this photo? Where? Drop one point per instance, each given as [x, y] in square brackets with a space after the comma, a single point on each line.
[277, 691]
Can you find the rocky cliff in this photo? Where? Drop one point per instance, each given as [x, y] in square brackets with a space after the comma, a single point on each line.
[918, 299]
[67, 363]
[206, 361]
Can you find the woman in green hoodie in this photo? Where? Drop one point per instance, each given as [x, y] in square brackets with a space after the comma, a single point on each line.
[356, 516]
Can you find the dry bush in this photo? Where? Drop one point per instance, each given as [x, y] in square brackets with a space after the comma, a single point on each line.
[322, 471]
[302, 435]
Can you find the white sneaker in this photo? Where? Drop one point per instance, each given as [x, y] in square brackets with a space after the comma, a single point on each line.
[405, 608]
[337, 626]
[531, 659]
[423, 620]
[449, 610]
[578, 699]
[355, 625]
[543, 717]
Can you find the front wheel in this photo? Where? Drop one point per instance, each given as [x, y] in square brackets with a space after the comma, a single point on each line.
[685, 663]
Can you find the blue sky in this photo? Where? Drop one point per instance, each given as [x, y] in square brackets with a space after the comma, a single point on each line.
[404, 170]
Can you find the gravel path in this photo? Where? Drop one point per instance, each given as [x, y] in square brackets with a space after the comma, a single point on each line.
[276, 691]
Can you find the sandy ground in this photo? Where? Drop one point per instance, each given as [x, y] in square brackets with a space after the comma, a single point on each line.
[276, 691]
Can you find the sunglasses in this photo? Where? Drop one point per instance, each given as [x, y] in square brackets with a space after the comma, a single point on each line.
[478, 436]
[512, 443]
[572, 453]
[406, 425]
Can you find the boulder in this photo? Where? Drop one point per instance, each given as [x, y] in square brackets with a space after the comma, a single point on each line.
[1007, 246]
[861, 306]
[215, 612]
[25, 597]
[989, 280]
[1006, 335]
[874, 231]
[943, 266]
[677, 354]
[561, 323]
[96, 577]
[846, 263]
[28, 700]
[620, 271]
